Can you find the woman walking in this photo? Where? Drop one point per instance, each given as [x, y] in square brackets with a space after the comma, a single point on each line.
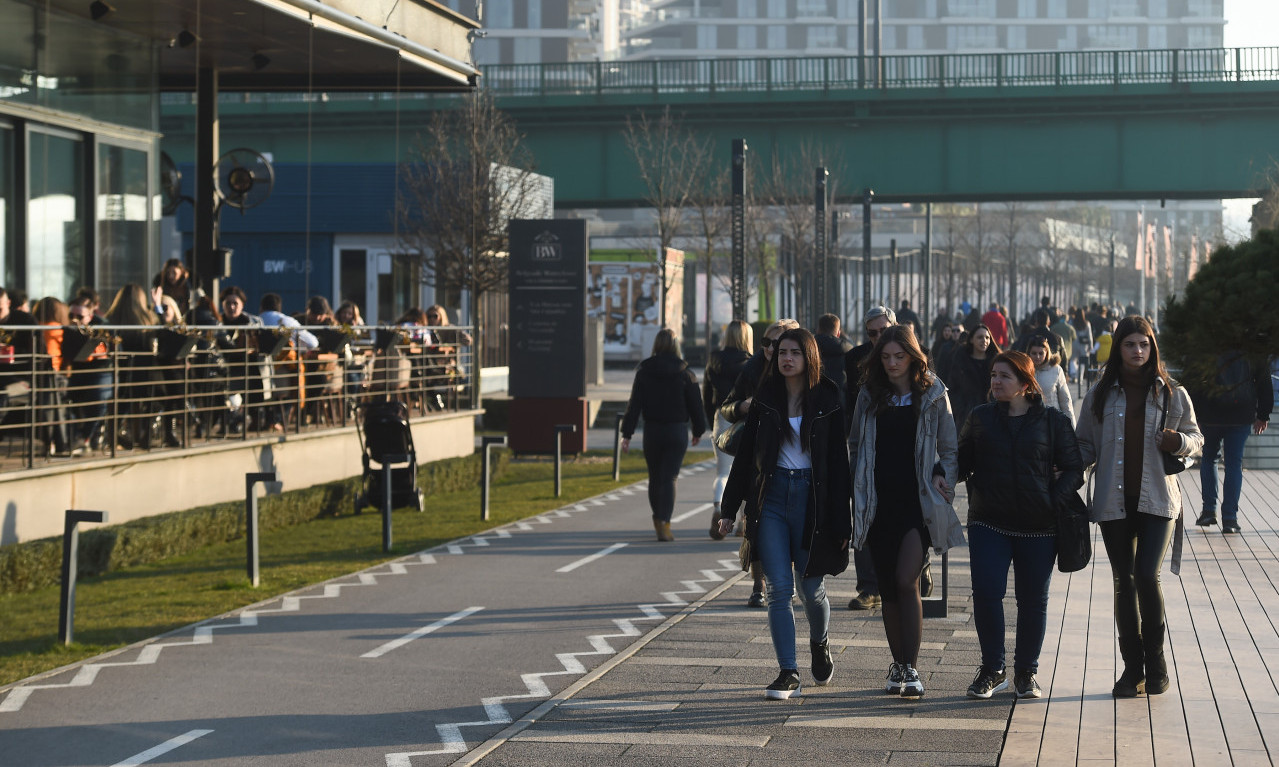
[665, 392]
[1053, 387]
[791, 470]
[1010, 450]
[722, 370]
[1133, 414]
[735, 407]
[969, 370]
[904, 471]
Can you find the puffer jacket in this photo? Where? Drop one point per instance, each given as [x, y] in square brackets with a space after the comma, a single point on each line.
[665, 391]
[722, 370]
[935, 446]
[828, 523]
[1008, 463]
[1101, 445]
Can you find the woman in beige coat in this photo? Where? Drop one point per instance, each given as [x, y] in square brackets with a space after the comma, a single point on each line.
[1134, 500]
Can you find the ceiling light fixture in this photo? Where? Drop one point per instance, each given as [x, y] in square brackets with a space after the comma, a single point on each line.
[187, 38]
[260, 62]
[98, 9]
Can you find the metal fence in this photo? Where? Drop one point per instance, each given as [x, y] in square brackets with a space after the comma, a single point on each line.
[102, 391]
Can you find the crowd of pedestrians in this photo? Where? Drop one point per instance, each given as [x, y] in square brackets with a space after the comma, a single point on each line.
[163, 362]
[852, 453]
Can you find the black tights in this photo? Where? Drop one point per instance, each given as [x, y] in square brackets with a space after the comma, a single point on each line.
[903, 610]
[1136, 546]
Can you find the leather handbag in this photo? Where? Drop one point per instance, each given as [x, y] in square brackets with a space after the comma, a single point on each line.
[1074, 538]
[729, 439]
[1173, 464]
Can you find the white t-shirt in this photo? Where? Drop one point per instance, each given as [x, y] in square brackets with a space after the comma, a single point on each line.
[792, 455]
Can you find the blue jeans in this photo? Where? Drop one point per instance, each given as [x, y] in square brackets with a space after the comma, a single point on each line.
[990, 553]
[1233, 439]
[780, 537]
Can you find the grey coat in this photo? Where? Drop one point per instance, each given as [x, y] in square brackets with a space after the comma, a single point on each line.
[936, 444]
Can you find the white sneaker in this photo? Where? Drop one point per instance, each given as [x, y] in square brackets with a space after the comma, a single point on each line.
[896, 675]
[912, 686]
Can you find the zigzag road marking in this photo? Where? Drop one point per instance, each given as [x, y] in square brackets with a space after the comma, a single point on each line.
[450, 733]
[203, 634]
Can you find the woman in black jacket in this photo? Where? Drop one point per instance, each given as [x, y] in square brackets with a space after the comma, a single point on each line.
[1009, 452]
[791, 470]
[665, 392]
[968, 374]
[722, 370]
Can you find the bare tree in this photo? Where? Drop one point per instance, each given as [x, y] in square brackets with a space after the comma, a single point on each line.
[466, 176]
[712, 217]
[1013, 225]
[666, 155]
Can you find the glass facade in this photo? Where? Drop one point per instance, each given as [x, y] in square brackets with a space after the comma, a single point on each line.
[124, 214]
[55, 214]
[7, 261]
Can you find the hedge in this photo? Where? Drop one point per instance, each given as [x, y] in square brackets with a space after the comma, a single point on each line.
[36, 564]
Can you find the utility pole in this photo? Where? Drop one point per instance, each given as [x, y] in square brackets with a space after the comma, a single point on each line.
[738, 231]
[820, 298]
[868, 195]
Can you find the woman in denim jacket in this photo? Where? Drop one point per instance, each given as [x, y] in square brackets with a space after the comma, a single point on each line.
[1134, 500]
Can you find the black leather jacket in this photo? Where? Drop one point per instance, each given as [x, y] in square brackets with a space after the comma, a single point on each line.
[829, 523]
[665, 391]
[722, 371]
[1008, 463]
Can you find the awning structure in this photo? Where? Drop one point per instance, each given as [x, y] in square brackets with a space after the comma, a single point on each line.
[291, 45]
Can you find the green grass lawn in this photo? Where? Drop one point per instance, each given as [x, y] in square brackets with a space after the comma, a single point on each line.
[125, 606]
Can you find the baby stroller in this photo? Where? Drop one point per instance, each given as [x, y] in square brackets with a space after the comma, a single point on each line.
[384, 431]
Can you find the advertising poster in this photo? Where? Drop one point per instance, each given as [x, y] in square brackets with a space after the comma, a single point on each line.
[626, 294]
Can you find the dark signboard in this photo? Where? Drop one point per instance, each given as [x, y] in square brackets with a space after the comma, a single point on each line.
[548, 308]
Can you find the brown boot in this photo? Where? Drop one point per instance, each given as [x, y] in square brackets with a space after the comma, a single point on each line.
[663, 530]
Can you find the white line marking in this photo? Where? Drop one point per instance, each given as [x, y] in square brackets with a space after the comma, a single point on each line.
[693, 512]
[419, 633]
[592, 558]
[162, 749]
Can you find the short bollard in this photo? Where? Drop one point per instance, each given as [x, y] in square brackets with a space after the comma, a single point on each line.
[70, 548]
[387, 462]
[560, 431]
[485, 464]
[617, 448]
[251, 521]
[936, 608]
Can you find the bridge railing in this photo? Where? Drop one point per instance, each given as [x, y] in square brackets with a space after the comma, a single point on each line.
[1049, 68]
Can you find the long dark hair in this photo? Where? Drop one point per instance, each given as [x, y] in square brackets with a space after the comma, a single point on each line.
[1152, 370]
[991, 351]
[774, 380]
[875, 379]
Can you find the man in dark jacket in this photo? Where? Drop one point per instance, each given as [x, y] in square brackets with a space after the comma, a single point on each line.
[906, 316]
[1039, 329]
[832, 346]
[1239, 401]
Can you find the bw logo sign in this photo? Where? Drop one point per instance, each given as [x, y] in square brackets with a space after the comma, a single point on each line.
[546, 247]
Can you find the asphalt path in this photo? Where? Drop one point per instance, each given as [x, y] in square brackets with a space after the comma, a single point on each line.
[406, 665]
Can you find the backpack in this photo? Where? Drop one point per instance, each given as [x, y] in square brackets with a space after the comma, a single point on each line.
[1234, 385]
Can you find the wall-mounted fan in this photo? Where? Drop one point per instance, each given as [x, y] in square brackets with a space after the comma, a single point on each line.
[170, 186]
[243, 179]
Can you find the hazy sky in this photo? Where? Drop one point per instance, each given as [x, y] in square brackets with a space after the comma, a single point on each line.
[1252, 22]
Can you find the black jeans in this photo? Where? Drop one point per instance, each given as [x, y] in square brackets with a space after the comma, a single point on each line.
[664, 448]
[1136, 546]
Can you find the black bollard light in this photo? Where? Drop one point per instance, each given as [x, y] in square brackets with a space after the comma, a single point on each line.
[70, 549]
[388, 461]
[560, 431]
[617, 448]
[251, 521]
[485, 465]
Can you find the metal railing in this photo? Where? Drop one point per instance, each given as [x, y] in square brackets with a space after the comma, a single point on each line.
[116, 390]
[818, 73]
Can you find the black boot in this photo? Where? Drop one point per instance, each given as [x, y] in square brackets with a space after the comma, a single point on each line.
[1156, 666]
[1132, 681]
[171, 438]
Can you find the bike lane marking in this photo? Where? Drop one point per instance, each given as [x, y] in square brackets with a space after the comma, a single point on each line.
[162, 749]
[419, 633]
[587, 560]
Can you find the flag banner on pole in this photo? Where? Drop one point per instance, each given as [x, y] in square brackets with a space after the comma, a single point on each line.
[1168, 251]
[1193, 265]
[1139, 255]
[1150, 250]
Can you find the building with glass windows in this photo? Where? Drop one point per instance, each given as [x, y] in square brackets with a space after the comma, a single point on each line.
[80, 90]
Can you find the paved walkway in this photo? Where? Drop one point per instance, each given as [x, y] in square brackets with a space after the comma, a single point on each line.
[691, 691]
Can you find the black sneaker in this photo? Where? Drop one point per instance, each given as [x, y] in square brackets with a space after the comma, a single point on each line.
[823, 666]
[756, 600]
[786, 685]
[1230, 527]
[1025, 685]
[912, 685]
[926, 581]
[896, 676]
[987, 683]
[1207, 518]
[864, 601]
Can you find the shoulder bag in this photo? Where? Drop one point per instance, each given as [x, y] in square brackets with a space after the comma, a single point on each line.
[1173, 464]
[728, 440]
[1074, 538]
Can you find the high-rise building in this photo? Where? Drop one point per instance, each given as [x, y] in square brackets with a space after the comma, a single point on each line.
[537, 31]
[702, 28]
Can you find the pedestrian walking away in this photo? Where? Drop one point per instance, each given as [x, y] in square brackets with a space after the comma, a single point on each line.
[791, 474]
[736, 406]
[903, 454]
[1237, 401]
[1020, 460]
[665, 393]
[722, 370]
[1136, 502]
